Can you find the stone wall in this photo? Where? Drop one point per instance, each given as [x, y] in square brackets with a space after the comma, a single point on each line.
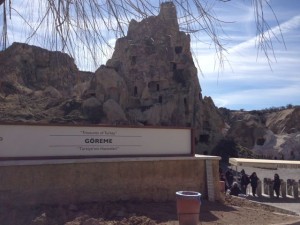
[88, 180]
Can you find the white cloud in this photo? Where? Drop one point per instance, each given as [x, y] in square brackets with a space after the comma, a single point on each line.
[275, 32]
[244, 52]
[248, 81]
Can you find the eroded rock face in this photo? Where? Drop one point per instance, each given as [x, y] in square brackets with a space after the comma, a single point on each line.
[151, 79]
[267, 134]
[26, 68]
[279, 146]
[155, 80]
[282, 141]
[246, 129]
[284, 121]
[155, 61]
[36, 85]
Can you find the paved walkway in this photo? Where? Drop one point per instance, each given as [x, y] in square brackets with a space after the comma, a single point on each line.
[290, 204]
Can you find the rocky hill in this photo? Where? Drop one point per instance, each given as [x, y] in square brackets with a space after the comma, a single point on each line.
[151, 80]
[273, 133]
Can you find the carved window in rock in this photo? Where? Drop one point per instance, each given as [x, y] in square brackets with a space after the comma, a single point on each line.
[135, 91]
[185, 102]
[133, 60]
[160, 99]
[260, 141]
[186, 107]
[173, 66]
[178, 49]
[92, 94]
[179, 77]
[153, 86]
[204, 138]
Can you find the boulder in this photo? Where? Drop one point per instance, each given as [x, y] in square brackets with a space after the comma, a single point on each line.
[114, 112]
[92, 109]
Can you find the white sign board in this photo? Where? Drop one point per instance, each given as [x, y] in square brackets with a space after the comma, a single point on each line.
[62, 141]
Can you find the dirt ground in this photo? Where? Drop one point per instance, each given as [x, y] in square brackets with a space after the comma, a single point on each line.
[231, 211]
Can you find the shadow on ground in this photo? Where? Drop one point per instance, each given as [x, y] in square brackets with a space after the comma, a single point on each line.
[273, 200]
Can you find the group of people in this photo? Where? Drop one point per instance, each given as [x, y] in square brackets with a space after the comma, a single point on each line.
[235, 189]
[245, 180]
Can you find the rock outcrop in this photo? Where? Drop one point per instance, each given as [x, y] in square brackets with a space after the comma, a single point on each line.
[25, 69]
[37, 85]
[151, 80]
[284, 121]
[266, 134]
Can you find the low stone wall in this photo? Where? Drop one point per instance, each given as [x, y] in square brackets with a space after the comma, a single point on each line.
[88, 180]
[289, 188]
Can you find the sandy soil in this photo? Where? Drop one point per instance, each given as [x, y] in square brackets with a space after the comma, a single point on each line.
[231, 211]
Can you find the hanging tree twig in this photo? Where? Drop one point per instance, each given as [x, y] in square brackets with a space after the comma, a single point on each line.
[76, 26]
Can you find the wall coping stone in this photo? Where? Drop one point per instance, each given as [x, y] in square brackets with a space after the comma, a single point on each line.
[25, 162]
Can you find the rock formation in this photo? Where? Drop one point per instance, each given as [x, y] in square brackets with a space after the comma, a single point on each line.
[151, 79]
[35, 84]
[266, 134]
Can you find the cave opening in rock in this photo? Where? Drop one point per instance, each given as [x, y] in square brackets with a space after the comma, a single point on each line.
[260, 141]
[204, 138]
[135, 91]
[178, 49]
[133, 60]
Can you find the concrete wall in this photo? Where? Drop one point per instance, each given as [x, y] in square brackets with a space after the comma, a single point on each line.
[86, 180]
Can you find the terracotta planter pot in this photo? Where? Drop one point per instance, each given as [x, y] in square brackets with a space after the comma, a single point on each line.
[188, 207]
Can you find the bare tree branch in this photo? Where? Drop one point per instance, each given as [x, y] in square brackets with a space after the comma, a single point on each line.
[75, 26]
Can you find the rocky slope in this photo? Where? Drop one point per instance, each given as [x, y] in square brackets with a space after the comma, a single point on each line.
[266, 133]
[37, 85]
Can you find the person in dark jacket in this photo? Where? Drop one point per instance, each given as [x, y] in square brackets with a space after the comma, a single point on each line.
[244, 182]
[235, 190]
[253, 181]
[276, 184]
[229, 177]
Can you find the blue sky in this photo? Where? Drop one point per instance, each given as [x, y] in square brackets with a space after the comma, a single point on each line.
[246, 81]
